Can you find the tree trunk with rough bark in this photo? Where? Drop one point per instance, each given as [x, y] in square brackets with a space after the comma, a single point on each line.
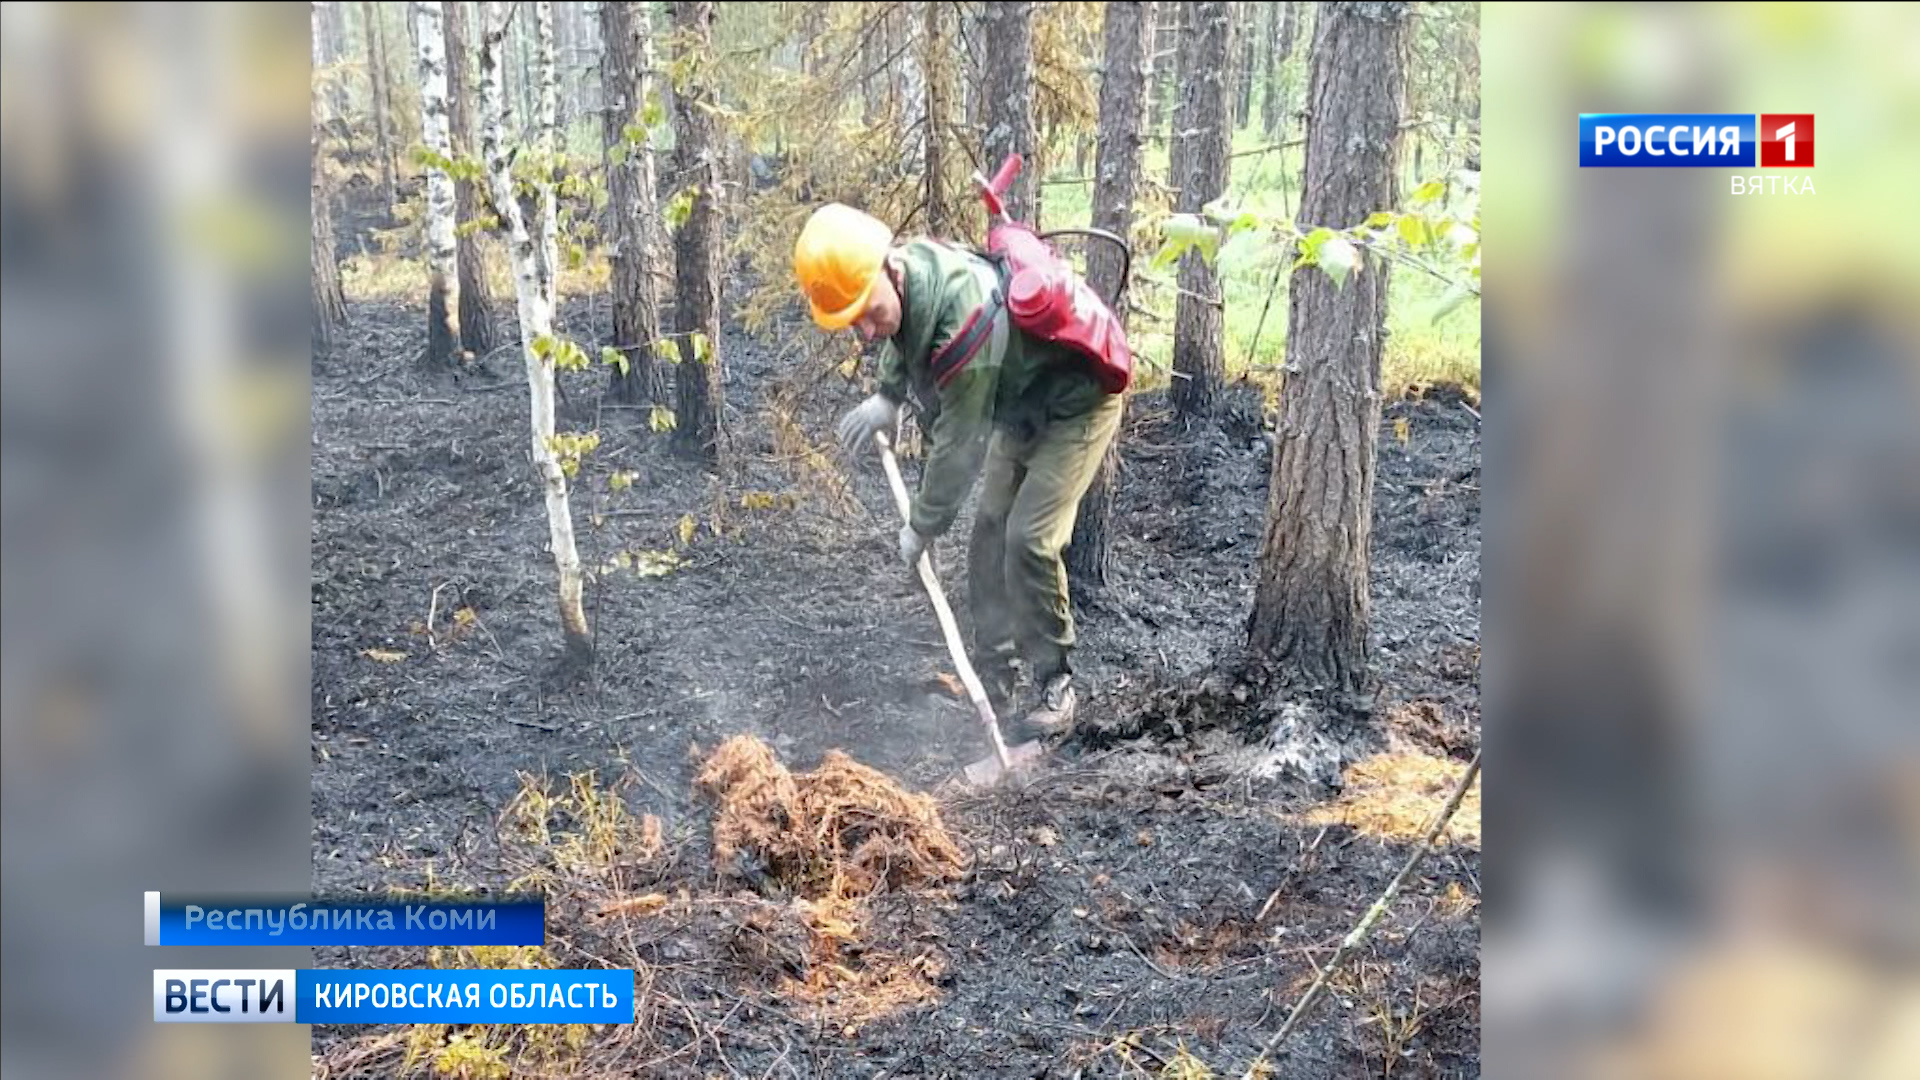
[696, 150]
[1201, 141]
[443, 275]
[382, 101]
[1274, 103]
[1311, 608]
[944, 214]
[534, 296]
[1007, 38]
[626, 77]
[1128, 41]
[1246, 29]
[329, 301]
[477, 334]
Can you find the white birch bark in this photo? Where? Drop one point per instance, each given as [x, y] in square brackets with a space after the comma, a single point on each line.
[546, 121]
[443, 275]
[534, 297]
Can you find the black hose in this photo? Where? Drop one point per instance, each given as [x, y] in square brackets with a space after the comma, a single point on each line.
[1126, 253]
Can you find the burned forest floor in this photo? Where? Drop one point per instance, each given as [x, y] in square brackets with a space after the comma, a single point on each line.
[1150, 903]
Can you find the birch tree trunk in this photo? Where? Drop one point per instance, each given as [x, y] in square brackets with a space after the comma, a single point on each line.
[546, 131]
[1311, 607]
[476, 296]
[534, 296]
[1201, 134]
[697, 247]
[382, 101]
[626, 76]
[329, 302]
[1128, 41]
[443, 275]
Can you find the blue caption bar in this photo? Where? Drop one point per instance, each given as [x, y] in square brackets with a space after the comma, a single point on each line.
[1667, 140]
[307, 922]
[586, 996]
[312, 996]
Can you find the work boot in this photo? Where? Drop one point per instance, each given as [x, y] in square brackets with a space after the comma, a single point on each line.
[1002, 683]
[1053, 715]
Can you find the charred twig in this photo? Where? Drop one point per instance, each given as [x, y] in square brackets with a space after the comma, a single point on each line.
[1365, 926]
[433, 609]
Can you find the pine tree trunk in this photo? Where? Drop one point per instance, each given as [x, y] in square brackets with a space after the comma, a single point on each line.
[1007, 34]
[477, 333]
[534, 297]
[1246, 19]
[1269, 55]
[329, 302]
[443, 275]
[330, 45]
[625, 72]
[1273, 118]
[944, 216]
[1311, 609]
[1128, 41]
[1168, 36]
[1201, 138]
[697, 380]
[382, 102]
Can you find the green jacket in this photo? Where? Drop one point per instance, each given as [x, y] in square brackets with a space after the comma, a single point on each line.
[966, 387]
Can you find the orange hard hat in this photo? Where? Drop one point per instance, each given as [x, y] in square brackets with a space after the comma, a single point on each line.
[837, 260]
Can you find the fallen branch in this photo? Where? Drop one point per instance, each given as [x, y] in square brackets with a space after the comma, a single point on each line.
[1360, 931]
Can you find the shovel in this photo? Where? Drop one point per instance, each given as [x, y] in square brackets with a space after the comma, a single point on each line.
[1005, 761]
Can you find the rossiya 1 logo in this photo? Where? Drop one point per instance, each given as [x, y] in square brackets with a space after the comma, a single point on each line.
[1704, 140]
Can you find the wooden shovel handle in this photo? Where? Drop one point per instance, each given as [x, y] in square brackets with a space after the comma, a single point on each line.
[976, 693]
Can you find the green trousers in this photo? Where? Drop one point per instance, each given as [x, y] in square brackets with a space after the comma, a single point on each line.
[1030, 495]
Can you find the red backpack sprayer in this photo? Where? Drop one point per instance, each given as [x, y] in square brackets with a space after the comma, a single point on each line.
[1047, 299]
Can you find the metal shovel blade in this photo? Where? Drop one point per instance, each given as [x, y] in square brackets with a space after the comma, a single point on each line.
[988, 772]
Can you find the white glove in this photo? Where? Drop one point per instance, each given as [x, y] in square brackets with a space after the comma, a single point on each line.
[912, 545]
[877, 413]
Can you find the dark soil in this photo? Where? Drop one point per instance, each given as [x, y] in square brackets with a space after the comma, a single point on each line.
[1117, 894]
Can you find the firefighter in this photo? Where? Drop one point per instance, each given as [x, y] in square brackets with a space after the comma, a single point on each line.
[991, 399]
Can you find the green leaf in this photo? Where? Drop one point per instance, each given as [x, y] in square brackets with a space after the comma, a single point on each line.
[614, 358]
[651, 115]
[1429, 191]
[1455, 296]
[542, 347]
[1379, 218]
[1240, 251]
[576, 256]
[702, 347]
[1184, 231]
[618, 154]
[1311, 244]
[661, 418]
[679, 209]
[666, 350]
[1413, 230]
[1339, 258]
